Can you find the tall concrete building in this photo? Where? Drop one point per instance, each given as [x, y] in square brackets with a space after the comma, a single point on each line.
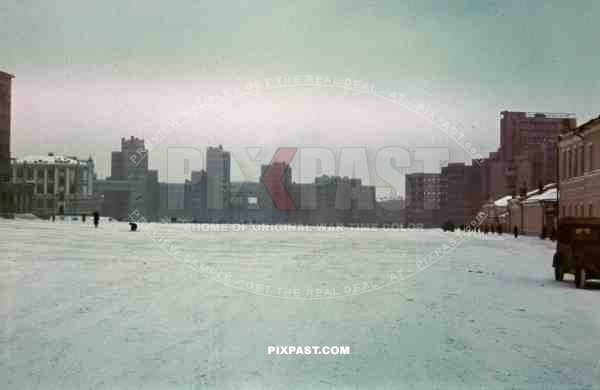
[494, 182]
[527, 147]
[6, 197]
[279, 171]
[218, 173]
[131, 161]
[425, 193]
[275, 203]
[5, 119]
[131, 185]
[462, 185]
[455, 204]
[333, 200]
[199, 195]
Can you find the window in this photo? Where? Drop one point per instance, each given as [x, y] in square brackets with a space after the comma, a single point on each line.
[581, 159]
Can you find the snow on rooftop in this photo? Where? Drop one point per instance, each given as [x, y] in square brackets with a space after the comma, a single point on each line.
[49, 159]
[503, 202]
[544, 196]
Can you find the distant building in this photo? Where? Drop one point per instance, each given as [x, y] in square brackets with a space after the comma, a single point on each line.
[131, 185]
[131, 161]
[455, 205]
[275, 202]
[493, 177]
[172, 200]
[424, 195]
[61, 185]
[390, 211]
[527, 147]
[218, 173]
[5, 110]
[14, 197]
[333, 200]
[579, 164]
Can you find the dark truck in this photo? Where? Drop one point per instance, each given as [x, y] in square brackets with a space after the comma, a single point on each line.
[578, 250]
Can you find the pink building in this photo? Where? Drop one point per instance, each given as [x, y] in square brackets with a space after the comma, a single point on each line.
[580, 171]
[528, 147]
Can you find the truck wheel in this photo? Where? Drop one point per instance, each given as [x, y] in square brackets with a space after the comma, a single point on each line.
[580, 276]
[559, 274]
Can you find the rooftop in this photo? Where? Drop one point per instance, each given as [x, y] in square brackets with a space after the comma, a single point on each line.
[51, 158]
[6, 75]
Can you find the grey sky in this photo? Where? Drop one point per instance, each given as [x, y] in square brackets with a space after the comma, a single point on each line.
[87, 74]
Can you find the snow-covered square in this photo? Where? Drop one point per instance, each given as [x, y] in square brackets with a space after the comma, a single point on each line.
[111, 309]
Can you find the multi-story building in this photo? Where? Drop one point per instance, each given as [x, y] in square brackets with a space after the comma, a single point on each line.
[579, 170]
[462, 196]
[527, 147]
[6, 190]
[131, 161]
[455, 205]
[199, 195]
[131, 185]
[493, 177]
[172, 200]
[5, 110]
[424, 195]
[218, 174]
[61, 185]
[273, 192]
[278, 180]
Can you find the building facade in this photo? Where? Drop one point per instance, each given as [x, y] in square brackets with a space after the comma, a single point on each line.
[131, 185]
[527, 147]
[425, 193]
[5, 120]
[6, 191]
[579, 171]
[61, 185]
[218, 174]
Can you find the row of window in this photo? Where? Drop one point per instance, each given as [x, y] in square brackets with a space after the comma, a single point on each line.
[577, 210]
[28, 172]
[39, 188]
[576, 161]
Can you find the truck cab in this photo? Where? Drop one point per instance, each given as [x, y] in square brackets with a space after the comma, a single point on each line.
[578, 250]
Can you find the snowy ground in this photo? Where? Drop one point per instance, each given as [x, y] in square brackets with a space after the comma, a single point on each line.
[105, 308]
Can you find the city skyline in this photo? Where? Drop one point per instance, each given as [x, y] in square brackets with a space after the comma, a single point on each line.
[84, 90]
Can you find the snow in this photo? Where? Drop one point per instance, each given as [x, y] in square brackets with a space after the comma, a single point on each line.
[503, 202]
[109, 309]
[546, 195]
[50, 159]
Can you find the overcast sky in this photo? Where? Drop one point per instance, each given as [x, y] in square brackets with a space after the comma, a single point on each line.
[88, 74]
